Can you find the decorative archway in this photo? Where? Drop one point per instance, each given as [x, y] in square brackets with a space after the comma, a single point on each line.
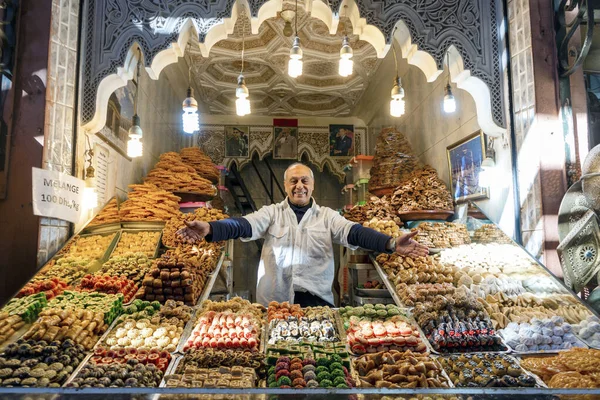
[469, 30]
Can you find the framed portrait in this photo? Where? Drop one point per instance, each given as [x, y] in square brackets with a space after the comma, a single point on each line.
[464, 163]
[237, 141]
[118, 117]
[341, 140]
[285, 142]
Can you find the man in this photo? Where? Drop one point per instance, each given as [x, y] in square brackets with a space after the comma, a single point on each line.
[286, 145]
[343, 143]
[234, 143]
[297, 263]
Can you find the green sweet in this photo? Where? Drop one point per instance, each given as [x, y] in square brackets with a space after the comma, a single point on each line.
[273, 385]
[335, 359]
[271, 371]
[321, 369]
[338, 373]
[323, 362]
[336, 366]
[325, 383]
[323, 376]
[339, 381]
[271, 378]
[284, 381]
[342, 386]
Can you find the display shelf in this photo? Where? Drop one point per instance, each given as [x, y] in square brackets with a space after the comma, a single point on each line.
[191, 197]
[156, 247]
[211, 281]
[425, 215]
[386, 281]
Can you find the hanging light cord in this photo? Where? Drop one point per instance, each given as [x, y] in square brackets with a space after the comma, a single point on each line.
[395, 58]
[448, 62]
[137, 86]
[296, 19]
[243, 43]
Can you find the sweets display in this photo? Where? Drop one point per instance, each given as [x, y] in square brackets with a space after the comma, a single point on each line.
[442, 234]
[376, 207]
[40, 363]
[388, 227]
[170, 237]
[394, 333]
[108, 284]
[67, 269]
[134, 266]
[26, 308]
[92, 246]
[116, 374]
[149, 203]
[283, 311]
[131, 356]
[108, 215]
[394, 160]
[172, 174]
[540, 335]
[210, 358]
[422, 189]
[486, 370]
[235, 324]
[453, 320]
[403, 269]
[236, 377]
[490, 233]
[180, 274]
[110, 305]
[83, 327]
[51, 287]
[144, 242]
[492, 258]
[395, 369]
[202, 163]
[575, 368]
[589, 330]
[294, 329]
[325, 372]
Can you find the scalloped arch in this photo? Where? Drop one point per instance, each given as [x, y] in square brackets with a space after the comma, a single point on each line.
[162, 31]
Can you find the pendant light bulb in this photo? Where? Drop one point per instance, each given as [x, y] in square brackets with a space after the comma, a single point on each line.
[134, 144]
[295, 62]
[397, 104]
[242, 104]
[190, 117]
[449, 101]
[346, 63]
[90, 196]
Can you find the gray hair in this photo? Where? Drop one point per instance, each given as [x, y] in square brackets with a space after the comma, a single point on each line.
[295, 165]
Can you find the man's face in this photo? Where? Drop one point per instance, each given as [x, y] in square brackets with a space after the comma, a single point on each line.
[299, 185]
[342, 133]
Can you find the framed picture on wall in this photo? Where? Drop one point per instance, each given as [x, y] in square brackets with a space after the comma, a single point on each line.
[341, 140]
[285, 142]
[237, 141]
[464, 163]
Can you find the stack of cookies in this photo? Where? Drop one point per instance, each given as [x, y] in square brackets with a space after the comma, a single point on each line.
[148, 203]
[174, 175]
[422, 190]
[393, 161]
[170, 237]
[442, 234]
[108, 215]
[202, 163]
[180, 274]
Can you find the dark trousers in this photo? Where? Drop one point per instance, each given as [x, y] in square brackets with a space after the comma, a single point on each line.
[307, 299]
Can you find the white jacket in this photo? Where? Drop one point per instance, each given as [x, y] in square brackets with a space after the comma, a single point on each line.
[296, 254]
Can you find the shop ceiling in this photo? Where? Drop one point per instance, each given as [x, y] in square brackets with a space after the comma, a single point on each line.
[320, 90]
[427, 30]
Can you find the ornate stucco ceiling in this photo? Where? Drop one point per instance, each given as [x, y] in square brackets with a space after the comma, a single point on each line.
[319, 91]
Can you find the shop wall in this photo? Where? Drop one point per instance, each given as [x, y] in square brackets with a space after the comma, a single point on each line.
[159, 109]
[430, 131]
[26, 112]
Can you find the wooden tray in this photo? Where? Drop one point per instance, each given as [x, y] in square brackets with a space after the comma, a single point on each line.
[192, 197]
[425, 214]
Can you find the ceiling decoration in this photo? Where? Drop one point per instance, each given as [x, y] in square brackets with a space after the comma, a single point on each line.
[470, 30]
[320, 90]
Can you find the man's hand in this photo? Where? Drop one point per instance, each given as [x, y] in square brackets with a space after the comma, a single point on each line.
[407, 246]
[194, 231]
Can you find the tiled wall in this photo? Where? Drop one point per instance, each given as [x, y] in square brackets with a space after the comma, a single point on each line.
[521, 63]
[60, 103]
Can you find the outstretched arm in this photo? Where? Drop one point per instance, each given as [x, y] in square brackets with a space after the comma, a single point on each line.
[370, 239]
[215, 231]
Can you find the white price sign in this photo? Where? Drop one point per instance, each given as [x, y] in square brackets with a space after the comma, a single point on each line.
[57, 195]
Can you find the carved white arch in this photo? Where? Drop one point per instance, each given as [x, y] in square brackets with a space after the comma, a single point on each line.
[319, 9]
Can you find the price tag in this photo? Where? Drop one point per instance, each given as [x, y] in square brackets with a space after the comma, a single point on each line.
[57, 195]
